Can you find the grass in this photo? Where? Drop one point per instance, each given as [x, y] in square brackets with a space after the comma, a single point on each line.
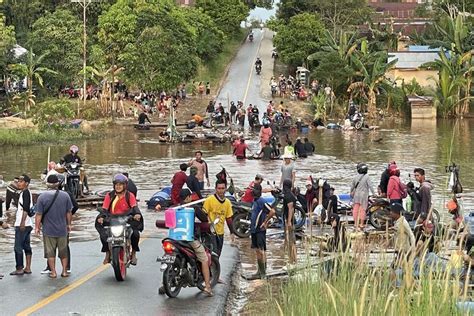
[360, 290]
[213, 71]
[22, 137]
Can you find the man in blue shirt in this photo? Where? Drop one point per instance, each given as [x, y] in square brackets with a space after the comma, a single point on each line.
[261, 214]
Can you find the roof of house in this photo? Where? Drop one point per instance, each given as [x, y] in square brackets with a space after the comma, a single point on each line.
[412, 60]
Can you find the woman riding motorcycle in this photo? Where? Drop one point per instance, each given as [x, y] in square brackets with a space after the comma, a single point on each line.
[119, 201]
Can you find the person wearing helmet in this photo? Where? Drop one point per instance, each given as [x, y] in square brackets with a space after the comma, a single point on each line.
[73, 157]
[258, 62]
[396, 190]
[361, 185]
[120, 201]
[382, 188]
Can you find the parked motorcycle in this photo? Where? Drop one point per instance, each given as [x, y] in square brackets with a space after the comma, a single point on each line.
[181, 268]
[214, 119]
[73, 174]
[357, 120]
[243, 211]
[120, 246]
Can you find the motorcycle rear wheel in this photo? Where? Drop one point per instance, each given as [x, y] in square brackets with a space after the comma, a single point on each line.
[241, 230]
[119, 263]
[299, 217]
[358, 125]
[379, 218]
[170, 278]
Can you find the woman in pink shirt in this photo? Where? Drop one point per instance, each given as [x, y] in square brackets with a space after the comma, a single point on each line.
[265, 134]
[396, 190]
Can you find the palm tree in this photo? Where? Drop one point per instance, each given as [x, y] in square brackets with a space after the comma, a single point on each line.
[370, 69]
[33, 71]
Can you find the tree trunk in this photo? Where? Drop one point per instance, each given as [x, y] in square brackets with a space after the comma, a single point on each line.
[372, 103]
[467, 94]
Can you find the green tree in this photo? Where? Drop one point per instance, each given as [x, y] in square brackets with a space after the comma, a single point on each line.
[33, 70]
[153, 62]
[209, 39]
[370, 69]
[227, 14]
[7, 42]
[299, 38]
[59, 34]
[289, 8]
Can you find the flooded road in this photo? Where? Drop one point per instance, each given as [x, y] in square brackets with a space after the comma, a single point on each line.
[431, 145]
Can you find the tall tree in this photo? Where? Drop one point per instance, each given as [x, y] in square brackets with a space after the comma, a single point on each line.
[7, 42]
[299, 38]
[59, 34]
[227, 14]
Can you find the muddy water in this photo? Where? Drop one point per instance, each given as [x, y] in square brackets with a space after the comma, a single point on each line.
[430, 145]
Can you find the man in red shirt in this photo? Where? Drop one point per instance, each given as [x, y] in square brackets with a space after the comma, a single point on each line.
[239, 150]
[248, 196]
[178, 181]
[119, 201]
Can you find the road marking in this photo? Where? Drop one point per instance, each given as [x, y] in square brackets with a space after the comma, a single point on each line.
[65, 290]
[251, 69]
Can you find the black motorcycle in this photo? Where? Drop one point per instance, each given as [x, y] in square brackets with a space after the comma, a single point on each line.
[243, 212]
[258, 69]
[119, 232]
[253, 119]
[73, 174]
[181, 268]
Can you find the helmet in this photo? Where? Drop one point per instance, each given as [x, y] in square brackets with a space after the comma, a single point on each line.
[362, 168]
[232, 103]
[120, 178]
[393, 170]
[74, 149]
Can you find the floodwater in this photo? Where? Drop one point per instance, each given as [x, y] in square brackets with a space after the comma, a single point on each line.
[428, 144]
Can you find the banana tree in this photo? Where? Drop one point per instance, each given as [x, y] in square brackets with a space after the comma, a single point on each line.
[370, 70]
[33, 71]
[454, 73]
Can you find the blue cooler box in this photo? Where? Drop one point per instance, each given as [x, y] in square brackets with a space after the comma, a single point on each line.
[184, 229]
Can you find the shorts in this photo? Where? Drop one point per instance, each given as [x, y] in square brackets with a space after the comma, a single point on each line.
[53, 243]
[199, 251]
[218, 243]
[259, 240]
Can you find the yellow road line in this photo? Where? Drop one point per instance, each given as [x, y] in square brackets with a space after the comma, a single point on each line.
[251, 69]
[65, 290]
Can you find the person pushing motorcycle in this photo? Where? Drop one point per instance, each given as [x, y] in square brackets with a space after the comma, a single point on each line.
[119, 201]
[185, 197]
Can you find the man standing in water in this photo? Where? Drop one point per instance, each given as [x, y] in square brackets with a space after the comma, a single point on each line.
[288, 171]
[202, 170]
[261, 214]
[289, 202]
[424, 192]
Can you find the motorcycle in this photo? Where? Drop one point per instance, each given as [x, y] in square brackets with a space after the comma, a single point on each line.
[274, 90]
[258, 69]
[213, 119]
[357, 120]
[243, 211]
[73, 174]
[253, 119]
[181, 268]
[119, 233]
[251, 37]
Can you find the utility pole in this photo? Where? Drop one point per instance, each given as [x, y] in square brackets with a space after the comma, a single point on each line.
[84, 4]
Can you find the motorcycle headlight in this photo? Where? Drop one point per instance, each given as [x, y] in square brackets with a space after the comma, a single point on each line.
[117, 231]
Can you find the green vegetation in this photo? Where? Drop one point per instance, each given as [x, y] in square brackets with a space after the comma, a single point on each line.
[212, 71]
[324, 37]
[342, 287]
[22, 137]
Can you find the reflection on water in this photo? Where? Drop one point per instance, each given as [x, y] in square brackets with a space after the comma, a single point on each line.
[151, 165]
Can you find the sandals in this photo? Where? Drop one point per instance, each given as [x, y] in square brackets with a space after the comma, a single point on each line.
[208, 292]
[17, 272]
[52, 276]
[134, 261]
[27, 272]
[64, 275]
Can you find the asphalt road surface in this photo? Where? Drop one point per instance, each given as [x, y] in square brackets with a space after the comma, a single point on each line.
[92, 289]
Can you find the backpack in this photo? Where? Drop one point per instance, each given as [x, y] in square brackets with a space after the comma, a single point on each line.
[403, 190]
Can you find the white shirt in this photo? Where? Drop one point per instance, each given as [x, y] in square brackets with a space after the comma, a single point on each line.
[19, 211]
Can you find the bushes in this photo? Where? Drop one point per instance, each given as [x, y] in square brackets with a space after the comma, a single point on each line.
[53, 114]
[22, 137]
